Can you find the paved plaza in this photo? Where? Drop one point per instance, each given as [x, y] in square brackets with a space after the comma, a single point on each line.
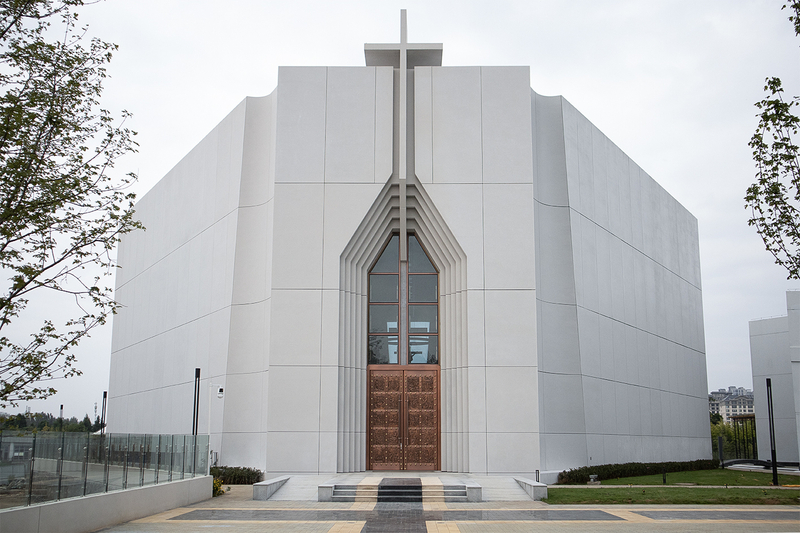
[506, 508]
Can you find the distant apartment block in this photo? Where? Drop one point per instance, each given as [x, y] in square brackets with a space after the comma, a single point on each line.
[731, 402]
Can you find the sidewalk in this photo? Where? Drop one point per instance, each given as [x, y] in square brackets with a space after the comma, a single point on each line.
[236, 512]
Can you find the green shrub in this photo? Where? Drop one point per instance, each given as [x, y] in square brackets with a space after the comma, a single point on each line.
[581, 475]
[236, 475]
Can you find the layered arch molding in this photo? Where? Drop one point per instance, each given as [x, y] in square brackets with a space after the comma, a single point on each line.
[425, 221]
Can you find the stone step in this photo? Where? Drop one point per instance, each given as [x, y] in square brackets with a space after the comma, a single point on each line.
[399, 493]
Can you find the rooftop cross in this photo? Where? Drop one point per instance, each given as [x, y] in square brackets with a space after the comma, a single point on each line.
[393, 54]
[403, 56]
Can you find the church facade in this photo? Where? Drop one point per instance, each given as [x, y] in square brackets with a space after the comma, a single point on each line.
[412, 266]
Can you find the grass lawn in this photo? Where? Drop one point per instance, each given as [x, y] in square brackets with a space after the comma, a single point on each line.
[720, 476]
[671, 495]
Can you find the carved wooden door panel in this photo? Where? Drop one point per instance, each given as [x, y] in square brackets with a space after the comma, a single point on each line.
[385, 397]
[421, 451]
[403, 410]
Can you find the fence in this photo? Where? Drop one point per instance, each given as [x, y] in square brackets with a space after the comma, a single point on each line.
[43, 467]
[739, 438]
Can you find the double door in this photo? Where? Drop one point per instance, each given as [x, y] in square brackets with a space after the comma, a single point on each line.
[403, 418]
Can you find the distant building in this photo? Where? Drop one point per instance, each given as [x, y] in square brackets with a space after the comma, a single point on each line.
[775, 354]
[713, 405]
[731, 402]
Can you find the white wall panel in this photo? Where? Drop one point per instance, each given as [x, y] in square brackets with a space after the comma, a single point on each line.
[350, 125]
[505, 126]
[508, 240]
[297, 247]
[300, 154]
[457, 152]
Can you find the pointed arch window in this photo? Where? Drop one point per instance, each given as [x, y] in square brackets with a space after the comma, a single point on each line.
[403, 306]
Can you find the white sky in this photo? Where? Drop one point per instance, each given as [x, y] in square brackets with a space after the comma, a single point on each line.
[671, 82]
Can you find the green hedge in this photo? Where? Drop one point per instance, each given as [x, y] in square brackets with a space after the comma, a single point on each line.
[577, 476]
[236, 475]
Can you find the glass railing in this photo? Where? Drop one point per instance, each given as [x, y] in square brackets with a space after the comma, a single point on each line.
[49, 466]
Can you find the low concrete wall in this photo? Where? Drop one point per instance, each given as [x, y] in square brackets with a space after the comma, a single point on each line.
[535, 490]
[90, 513]
[263, 490]
[474, 491]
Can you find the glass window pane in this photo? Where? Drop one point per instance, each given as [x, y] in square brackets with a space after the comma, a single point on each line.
[382, 349]
[389, 259]
[422, 318]
[422, 288]
[383, 288]
[423, 349]
[383, 319]
[418, 260]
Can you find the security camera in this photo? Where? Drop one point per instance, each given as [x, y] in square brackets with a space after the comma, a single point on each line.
[220, 393]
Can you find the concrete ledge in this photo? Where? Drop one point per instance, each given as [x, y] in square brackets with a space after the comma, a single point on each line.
[325, 492]
[263, 490]
[535, 490]
[549, 477]
[474, 491]
[90, 513]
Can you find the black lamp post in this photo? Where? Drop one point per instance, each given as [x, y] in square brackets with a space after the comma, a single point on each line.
[772, 434]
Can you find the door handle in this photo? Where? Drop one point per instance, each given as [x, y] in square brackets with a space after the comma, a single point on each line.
[408, 426]
[400, 420]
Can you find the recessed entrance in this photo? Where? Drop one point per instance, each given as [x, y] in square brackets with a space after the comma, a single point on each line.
[403, 425]
[403, 419]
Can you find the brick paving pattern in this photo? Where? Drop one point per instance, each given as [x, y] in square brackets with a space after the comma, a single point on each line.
[294, 511]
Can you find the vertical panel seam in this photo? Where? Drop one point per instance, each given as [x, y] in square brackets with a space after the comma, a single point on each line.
[483, 274]
[322, 270]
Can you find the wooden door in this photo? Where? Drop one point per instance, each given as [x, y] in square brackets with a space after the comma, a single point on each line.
[421, 451]
[403, 407]
[385, 397]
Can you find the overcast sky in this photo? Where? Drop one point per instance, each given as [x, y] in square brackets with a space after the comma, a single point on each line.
[671, 82]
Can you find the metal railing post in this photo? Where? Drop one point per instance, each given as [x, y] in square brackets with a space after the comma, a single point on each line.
[141, 465]
[125, 464]
[183, 458]
[158, 460]
[171, 451]
[59, 466]
[30, 483]
[86, 465]
[105, 469]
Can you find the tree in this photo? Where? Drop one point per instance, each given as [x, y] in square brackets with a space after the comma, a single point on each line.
[774, 199]
[62, 209]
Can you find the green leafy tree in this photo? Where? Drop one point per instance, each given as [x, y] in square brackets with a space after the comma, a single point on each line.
[62, 208]
[737, 443]
[774, 199]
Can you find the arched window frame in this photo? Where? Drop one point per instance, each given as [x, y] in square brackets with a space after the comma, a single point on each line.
[413, 339]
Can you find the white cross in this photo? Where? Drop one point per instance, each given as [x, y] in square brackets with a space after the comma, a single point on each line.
[403, 53]
[403, 56]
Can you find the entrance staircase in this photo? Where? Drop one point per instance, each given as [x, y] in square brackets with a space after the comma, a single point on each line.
[400, 490]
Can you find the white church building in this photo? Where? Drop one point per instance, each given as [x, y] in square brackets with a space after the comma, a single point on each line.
[775, 355]
[411, 266]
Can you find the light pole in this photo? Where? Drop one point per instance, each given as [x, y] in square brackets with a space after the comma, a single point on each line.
[772, 434]
[220, 395]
